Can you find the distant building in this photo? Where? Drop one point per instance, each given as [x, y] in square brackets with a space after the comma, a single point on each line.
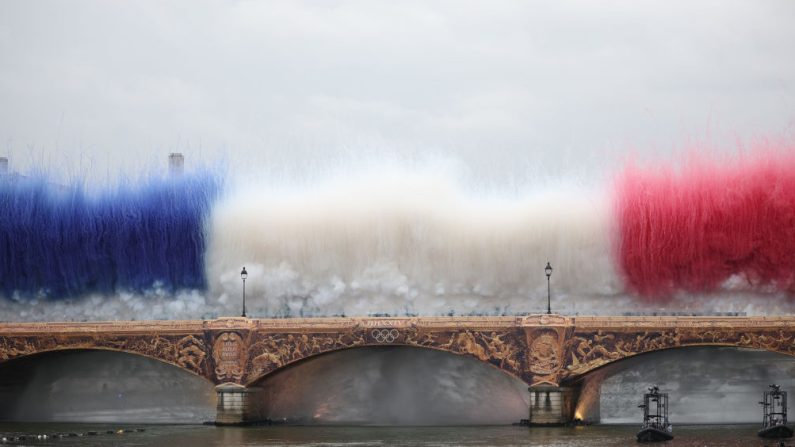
[176, 163]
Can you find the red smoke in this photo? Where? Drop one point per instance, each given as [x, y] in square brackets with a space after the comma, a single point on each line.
[692, 229]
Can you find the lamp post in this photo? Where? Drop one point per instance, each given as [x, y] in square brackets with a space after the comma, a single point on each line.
[243, 276]
[548, 271]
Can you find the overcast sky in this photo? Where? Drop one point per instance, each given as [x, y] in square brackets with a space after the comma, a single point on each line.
[500, 87]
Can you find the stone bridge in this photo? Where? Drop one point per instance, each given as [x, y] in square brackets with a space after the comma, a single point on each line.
[550, 353]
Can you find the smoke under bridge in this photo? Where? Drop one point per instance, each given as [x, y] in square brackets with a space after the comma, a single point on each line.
[384, 386]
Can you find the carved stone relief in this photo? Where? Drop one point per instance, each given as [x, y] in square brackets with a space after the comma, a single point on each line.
[503, 349]
[538, 349]
[186, 351]
[544, 353]
[230, 356]
[589, 350]
[272, 351]
[269, 351]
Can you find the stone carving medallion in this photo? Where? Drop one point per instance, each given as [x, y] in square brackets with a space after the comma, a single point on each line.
[544, 353]
[230, 357]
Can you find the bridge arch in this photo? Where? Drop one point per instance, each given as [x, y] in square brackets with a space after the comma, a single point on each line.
[587, 351]
[267, 372]
[392, 384]
[270, 352]
[187, 352]
[182, 366]
[102, 385]
[619, 362]
[698, 378]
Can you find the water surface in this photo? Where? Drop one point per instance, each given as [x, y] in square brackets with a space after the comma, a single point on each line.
[206, 436]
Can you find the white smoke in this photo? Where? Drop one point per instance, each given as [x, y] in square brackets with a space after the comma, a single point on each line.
[407, 242]
[156, 305]
[197, 305]
[394, 386]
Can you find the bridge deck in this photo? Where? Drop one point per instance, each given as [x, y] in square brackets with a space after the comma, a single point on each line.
[539, 349]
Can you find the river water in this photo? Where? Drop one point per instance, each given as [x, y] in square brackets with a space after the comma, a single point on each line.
[205, 436]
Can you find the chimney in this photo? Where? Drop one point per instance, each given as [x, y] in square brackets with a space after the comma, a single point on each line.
[3, 165]
[176, 163]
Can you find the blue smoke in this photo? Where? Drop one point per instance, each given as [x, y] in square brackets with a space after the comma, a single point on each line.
[58, 242]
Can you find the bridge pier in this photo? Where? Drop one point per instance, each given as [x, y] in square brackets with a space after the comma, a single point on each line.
[238, 405]
[551, 405]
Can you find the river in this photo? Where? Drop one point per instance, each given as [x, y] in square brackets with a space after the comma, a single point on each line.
[206, 436]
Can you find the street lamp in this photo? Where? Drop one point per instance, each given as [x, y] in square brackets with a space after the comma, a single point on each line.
[548, 271]
[243, 276]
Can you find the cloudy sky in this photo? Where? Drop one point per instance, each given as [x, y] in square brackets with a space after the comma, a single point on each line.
[499, 87]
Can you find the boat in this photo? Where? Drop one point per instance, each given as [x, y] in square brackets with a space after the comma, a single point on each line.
[655, 426]
[774, 414]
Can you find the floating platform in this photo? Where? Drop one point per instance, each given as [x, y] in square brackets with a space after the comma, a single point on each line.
[775, 432]
[650, 434]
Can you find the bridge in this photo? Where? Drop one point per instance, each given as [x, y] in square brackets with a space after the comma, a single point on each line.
[550, 353]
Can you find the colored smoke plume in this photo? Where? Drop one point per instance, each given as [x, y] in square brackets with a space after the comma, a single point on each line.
[709, 225]
[59, 241]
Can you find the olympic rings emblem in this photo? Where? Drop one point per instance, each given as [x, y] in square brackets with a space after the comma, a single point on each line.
[385, 335]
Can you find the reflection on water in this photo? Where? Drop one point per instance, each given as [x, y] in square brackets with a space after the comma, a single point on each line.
[205, 436]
